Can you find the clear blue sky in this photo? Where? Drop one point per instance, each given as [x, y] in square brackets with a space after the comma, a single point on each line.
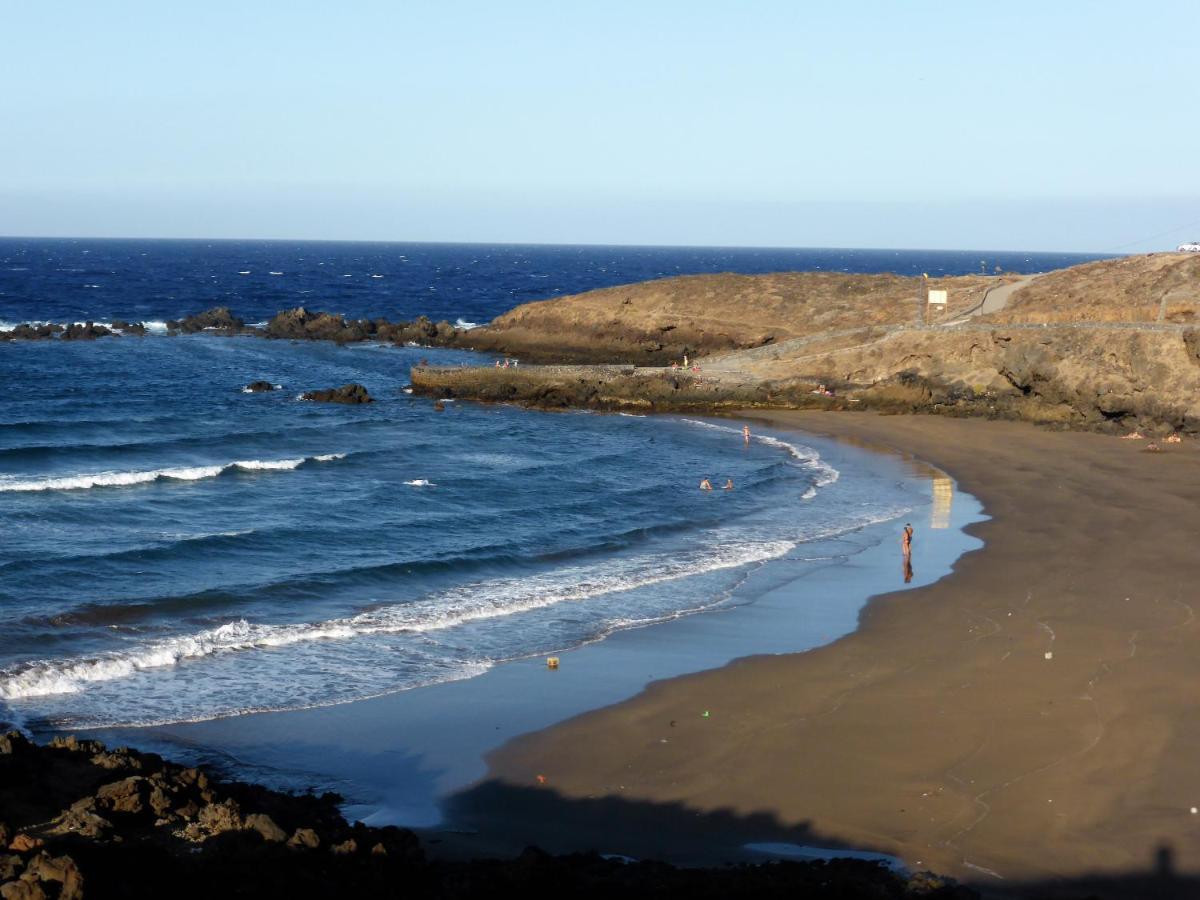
[1014, 125]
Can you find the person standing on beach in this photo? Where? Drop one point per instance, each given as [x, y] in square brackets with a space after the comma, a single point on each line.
[906, 540]
[746, 433]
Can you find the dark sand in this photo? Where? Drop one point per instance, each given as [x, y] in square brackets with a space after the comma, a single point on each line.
[1034, 714]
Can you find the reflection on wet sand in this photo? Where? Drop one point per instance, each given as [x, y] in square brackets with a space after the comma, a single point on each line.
[943, 500]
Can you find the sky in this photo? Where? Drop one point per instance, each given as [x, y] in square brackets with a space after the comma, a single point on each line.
[971, 125]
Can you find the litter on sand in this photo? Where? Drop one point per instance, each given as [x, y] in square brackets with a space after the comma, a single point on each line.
[704, 715]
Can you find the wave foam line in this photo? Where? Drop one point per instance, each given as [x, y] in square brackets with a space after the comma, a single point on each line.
[806, 456]
[178, 473]
[446, 609]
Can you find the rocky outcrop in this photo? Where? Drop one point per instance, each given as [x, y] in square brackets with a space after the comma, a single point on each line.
[347, 393]
[219, 319]
[134, 328]
[28, 332]
[84, 331]
[258, 387]
[171, 831]
[1085, 377]
[302, 324]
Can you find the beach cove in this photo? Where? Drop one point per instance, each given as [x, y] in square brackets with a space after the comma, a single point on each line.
[396, 758]
[1033, 716]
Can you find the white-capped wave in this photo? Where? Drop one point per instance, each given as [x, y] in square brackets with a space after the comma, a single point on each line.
[464, 324]
[436, 612]
[155, 327]
[176, 473]
[806, 456]
[420, 482]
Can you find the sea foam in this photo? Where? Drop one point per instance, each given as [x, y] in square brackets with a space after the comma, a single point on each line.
[436, 612]
[177, 473]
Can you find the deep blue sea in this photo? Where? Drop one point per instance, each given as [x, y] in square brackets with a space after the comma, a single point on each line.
[174, 549]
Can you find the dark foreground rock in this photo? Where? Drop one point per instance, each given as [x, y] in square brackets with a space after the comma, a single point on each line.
[78, 820]
[347, 393]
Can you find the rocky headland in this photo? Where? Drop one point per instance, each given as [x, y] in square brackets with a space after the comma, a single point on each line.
[1111, 345]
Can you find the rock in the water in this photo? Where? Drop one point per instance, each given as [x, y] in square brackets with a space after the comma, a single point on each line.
[258, 387]
[219, 318]
[87, 331]
[32, 332]
[347, 393]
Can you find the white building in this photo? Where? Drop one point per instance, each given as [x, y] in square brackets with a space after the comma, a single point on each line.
[1190, 247]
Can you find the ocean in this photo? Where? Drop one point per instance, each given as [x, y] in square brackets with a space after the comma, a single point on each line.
[174, 549]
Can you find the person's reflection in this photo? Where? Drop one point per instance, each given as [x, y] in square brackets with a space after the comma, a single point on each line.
[907, 568]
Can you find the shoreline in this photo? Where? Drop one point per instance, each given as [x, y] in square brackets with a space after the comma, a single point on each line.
[940, 730]
[412, 749]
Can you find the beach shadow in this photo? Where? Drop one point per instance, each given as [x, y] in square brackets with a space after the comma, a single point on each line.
[499, 820]
[1159, 881]
[502, 819]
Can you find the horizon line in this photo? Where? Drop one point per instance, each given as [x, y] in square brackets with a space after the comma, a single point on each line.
[597, 244]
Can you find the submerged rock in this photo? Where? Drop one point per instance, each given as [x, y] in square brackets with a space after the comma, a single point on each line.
[258, 387]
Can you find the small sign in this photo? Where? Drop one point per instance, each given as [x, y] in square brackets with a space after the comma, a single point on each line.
[937, 298]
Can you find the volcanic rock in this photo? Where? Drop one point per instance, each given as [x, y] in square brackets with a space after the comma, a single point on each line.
[87, 331]
[219, 318]
[347, 393]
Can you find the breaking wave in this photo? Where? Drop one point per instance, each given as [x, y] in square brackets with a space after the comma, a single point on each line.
[177, 473]
[446, 609]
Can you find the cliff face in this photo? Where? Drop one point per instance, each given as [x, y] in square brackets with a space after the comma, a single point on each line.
[659, 321]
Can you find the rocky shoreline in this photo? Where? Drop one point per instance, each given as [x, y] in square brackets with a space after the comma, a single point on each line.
[80, 820]
[1111, 346]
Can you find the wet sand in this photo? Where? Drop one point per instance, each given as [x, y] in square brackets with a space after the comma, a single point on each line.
[1035, 714]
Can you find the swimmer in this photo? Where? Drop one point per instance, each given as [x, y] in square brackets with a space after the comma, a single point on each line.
[705, 484]
[728, 485]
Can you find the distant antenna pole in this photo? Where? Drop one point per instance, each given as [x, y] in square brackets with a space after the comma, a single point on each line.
[923, 298]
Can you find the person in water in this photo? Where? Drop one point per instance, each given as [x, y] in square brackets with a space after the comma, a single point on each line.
[728, 485]
[906, 540]
[705, 485]
[746, 433]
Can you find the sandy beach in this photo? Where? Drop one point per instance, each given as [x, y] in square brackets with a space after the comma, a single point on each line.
[1034, 715]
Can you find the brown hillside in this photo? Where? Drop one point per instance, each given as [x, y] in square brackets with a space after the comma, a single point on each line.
[657, 321]
[1131, 289]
